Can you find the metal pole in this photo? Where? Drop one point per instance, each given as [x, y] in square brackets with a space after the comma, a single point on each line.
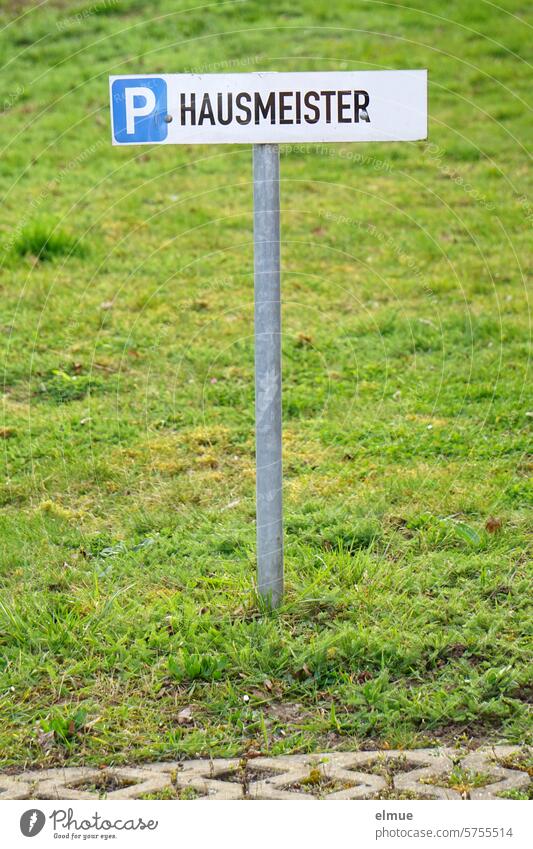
[268, 373]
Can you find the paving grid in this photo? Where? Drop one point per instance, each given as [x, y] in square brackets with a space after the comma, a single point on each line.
[442, 773]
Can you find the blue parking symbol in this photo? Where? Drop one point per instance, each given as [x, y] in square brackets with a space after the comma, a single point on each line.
[139, 107]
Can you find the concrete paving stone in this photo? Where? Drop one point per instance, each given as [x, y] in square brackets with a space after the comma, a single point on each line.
[14, 788]
[170, 767]
[44, 781]
[289, 778]
[201, 776]
[207, 778]
[331, 775]
[438, 759]
[485, 761]
[74, 783]
[420, 765]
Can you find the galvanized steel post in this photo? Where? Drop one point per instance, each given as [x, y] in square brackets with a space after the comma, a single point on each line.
[268, 373]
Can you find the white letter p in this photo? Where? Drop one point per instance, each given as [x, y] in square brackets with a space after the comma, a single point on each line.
[132, 111]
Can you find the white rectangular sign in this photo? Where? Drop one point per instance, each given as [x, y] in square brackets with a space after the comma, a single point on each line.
[343, 106]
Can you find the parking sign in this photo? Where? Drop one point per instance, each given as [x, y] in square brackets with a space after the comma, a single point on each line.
[269, 108]
[139, 109]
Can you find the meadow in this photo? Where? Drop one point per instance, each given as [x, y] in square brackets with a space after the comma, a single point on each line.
[129, 625]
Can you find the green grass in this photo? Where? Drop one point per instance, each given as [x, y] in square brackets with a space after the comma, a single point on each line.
[127, 504]
[44, 243]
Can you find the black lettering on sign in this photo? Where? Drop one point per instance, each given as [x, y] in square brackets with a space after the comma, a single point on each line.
[361, 101]
[225, 119]
[298, 107]
[315, 111]
[284, 107]
[342, 107]
[243, 96]
[206, 111]
[328, 95]
[191, 109]
[265, 108]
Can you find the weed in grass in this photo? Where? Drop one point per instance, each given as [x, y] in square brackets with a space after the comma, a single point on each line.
[193, 667]
[45, 243]
[318, 784]
[388, 767]
[518, 795]
[522, 760]
[246, 773]
[396, 795]
[60, 387]
[64, 726]
[104, 784]
[173, 793]
[459, 779]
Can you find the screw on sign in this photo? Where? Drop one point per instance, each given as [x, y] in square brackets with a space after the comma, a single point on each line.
[267, 110]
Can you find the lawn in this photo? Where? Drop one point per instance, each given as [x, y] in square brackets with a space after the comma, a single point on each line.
[129, 625]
